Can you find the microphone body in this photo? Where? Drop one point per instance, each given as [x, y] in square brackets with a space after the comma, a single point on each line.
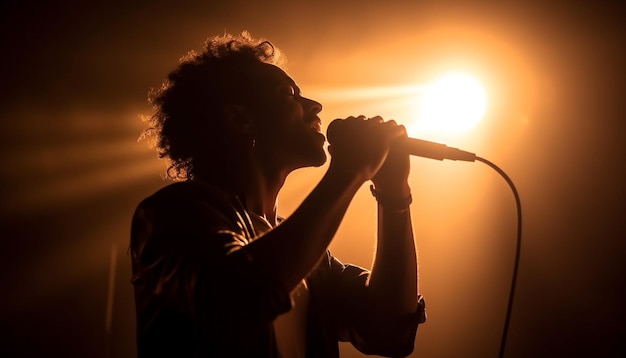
[426, 149]
[412, 146]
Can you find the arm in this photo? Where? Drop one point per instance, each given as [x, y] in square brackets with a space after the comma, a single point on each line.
[293, 248]
[393, 281]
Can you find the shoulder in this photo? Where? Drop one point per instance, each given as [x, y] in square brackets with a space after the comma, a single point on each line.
[192, 205]
[190, 198]
[188, 191]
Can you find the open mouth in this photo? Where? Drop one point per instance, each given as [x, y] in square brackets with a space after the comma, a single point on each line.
[316, 125]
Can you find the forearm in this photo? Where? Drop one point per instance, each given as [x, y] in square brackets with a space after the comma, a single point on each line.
[394, 278]
[293, 248]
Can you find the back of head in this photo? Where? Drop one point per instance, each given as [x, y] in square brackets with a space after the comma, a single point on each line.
[187, 127]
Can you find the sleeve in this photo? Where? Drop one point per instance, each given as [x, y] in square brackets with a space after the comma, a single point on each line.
[348, 314]
[189, 254]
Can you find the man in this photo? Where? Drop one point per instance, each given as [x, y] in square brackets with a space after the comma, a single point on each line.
[216, 273]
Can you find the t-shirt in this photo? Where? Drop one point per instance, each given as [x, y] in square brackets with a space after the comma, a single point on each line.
[200, 293]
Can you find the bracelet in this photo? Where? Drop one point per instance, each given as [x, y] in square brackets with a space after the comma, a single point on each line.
[398, 204]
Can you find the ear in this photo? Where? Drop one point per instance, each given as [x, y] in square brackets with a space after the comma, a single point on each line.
[237, 118]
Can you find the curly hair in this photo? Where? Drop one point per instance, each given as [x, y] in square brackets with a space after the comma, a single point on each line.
[188, 105]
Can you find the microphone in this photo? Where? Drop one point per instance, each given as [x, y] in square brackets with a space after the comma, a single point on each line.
[419, 147]
[426, 149]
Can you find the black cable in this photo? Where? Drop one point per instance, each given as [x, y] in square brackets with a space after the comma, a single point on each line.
[509, 309]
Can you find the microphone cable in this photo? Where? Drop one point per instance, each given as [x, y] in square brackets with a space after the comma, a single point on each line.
[518, 247]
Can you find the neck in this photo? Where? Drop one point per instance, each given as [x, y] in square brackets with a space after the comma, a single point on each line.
[257, 183]
[262, 185]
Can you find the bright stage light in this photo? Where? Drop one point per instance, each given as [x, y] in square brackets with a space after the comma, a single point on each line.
[454, 102]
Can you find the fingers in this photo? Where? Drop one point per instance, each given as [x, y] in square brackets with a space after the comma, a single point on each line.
[364, 118]
[376, 125]
[390, 127]
[375, 119]
[361, 131]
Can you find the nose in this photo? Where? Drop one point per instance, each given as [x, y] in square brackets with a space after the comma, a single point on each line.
[312, 106]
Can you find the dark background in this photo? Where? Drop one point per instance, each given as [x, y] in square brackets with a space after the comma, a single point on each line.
[74, 81]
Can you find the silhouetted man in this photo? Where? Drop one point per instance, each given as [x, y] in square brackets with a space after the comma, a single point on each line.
[216, 273]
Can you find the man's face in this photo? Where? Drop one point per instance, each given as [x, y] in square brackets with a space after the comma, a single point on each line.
[287, 128]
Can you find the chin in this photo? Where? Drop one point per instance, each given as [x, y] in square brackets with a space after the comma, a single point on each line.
[320, 160]
[313, 159]
[306, 152]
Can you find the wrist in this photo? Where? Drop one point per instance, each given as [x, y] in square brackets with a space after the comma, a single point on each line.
[398, 200]
[400, 189]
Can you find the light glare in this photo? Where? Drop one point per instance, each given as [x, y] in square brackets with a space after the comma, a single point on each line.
[455, 102]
